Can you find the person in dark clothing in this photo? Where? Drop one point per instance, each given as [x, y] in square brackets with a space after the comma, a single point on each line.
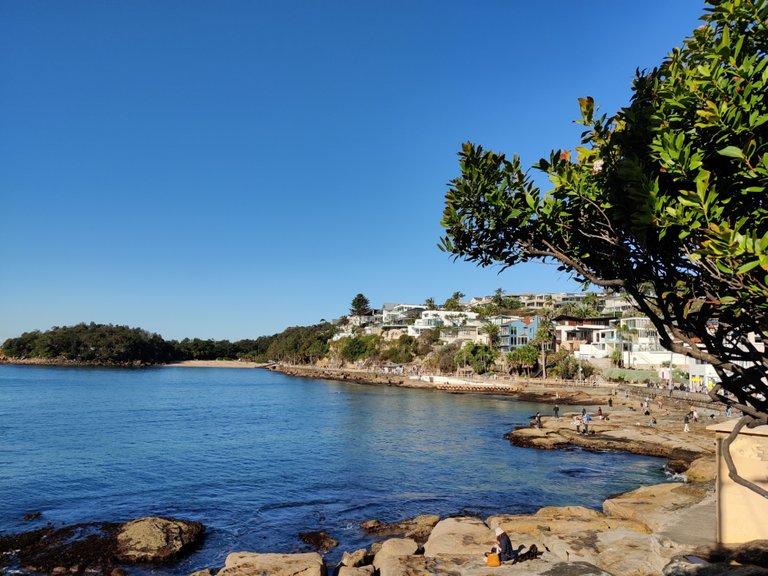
[503, 546]
[556, 410]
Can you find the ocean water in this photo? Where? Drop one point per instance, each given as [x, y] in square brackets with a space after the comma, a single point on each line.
[259, 457]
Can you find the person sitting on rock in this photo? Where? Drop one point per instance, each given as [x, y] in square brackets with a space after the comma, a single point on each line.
[503, 546]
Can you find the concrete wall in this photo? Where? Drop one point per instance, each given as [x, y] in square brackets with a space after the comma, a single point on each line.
[742, 515]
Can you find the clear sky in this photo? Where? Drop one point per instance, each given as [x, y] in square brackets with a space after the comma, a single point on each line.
[225, 169]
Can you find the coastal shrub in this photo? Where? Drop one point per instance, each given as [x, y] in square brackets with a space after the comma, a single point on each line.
[523, 358]
[478, 356]
[444, 359]
[630, 375]
[358, 347]
[401, 351]
[567, 366]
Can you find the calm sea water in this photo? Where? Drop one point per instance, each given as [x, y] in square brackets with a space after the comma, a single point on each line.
[259, 457]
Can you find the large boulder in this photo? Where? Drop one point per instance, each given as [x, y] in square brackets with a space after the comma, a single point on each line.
[702, 470]
[156, 539]
[356, 558]
[394, 548]
[252, 564]
[461, 535]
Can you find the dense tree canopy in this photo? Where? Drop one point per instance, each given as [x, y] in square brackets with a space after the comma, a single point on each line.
[93, 343]
[108, 344]
[666, 200]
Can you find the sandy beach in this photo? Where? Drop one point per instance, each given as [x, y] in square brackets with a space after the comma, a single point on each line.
[215, 364]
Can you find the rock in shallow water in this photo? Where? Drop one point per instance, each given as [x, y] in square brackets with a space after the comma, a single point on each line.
[96, 548]
[319, 540]
[156, 539]
[417, 528]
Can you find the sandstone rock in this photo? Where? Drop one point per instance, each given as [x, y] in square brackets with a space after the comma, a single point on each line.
[203, 572]
[375, 547]
[356, 571]
[702, 470]
[319, 540]
[568, 512]
[252, 564]
[355, 559]
[394, 548]
[654, 505]
[578, 534]
[467, 565]
[156, 539]
[627, 552]
[463, 535]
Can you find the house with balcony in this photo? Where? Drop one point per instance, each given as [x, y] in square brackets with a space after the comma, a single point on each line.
[517, 332]
[572, 332]
[400, 315]
[637, 340]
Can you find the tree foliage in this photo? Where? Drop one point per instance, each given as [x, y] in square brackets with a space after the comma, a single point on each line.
[665, 200]
[360, 306]
[478, 356]
[106, 344]
[453, 303]
[523, 358]
[93, 344]
[358, 347]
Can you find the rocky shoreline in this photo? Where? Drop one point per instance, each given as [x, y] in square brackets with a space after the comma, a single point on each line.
[667, 528]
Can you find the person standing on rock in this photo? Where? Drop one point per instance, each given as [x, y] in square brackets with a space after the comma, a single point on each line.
[686, 420]
[538, 419]
[556, 410]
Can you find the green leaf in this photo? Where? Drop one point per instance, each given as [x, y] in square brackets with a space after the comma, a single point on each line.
[722, 267]
[748, 266]
[731, 152]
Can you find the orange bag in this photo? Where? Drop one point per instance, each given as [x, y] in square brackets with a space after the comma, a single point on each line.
[493, 559]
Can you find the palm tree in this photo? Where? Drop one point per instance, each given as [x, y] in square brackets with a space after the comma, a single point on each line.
[624, 333]
[543, 337]
[492, 330]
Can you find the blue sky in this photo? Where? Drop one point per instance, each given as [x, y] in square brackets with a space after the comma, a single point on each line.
[228, 169]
